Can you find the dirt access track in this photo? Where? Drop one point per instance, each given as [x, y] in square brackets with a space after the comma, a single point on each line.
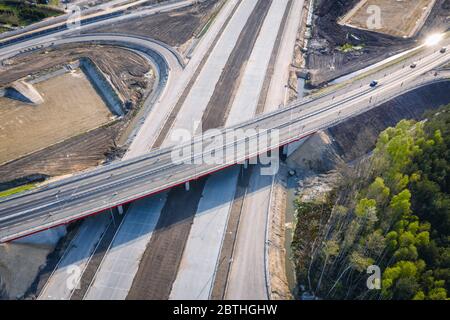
[398, 18]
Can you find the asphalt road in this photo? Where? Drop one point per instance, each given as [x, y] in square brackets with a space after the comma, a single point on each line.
[115, 184]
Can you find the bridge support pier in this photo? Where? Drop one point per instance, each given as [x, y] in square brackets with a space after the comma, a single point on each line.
[187, 186]
[285, 150]
[120, 209]
[245, 164]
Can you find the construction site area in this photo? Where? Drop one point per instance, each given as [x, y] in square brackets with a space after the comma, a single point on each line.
[70, 107]
[74, 107]
[179, 28]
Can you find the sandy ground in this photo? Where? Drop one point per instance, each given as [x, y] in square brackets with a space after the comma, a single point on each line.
[399, 18]
[174, 28]
[71, 106]
[72, 155]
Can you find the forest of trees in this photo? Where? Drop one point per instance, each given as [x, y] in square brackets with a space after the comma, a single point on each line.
[391, 210]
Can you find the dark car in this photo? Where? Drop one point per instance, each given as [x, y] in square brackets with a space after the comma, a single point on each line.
[374, 83]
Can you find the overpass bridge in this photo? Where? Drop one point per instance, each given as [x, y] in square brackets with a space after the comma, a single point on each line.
[122, 182]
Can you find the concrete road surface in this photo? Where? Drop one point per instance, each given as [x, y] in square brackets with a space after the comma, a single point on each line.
[63, 281]
[196, 272]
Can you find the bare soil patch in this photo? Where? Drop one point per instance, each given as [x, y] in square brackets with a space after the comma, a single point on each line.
[73, 155]
[131, 76]
[174, 28]
[398, 18]
[326, 62]
[71, 106]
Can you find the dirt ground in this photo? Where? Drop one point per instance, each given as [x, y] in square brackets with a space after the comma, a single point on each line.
[175, 28]
[398, 18]
[71, 106]
[219, 105]
[164, 251]
[126, 69]
[326, 62]
[276, 242]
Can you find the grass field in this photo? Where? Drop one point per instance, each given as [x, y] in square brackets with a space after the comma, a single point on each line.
[398, 18]
[71, 106]
[19, 13]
